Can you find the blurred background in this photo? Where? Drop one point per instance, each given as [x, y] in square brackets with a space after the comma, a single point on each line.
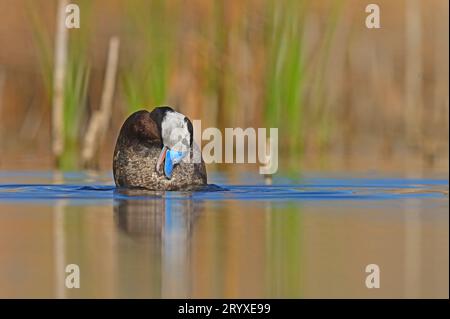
[344, 97]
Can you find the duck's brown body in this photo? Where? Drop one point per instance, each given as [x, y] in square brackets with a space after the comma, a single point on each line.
[136, 154]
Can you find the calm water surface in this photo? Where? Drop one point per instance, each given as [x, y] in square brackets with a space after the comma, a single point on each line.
[308, 237]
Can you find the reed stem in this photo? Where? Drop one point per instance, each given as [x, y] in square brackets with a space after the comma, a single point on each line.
[98, 124]
[59, 75]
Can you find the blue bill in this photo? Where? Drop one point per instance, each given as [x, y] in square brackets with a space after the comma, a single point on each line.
[172, 158]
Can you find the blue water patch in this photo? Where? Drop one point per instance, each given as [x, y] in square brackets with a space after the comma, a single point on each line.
[85, 188]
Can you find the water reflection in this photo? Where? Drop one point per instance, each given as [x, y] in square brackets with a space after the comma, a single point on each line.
[156, 217]
[202, 245]
[164, 225]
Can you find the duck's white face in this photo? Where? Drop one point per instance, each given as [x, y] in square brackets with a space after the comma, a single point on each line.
[175, 132]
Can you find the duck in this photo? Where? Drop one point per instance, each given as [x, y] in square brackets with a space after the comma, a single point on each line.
[156, 151]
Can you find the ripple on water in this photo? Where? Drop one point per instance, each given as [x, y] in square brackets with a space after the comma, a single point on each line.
[312, 189]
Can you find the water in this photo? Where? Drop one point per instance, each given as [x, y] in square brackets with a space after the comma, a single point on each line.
[308, 237]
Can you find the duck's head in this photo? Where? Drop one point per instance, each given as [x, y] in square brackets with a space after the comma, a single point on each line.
[176, 133]
[140, 128]
[163, 126]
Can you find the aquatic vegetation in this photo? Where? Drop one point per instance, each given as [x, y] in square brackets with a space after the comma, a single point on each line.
[309, 68]
[151, 30]
[75, 98]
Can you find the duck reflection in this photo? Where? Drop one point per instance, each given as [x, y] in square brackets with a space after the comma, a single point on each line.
[161, 225]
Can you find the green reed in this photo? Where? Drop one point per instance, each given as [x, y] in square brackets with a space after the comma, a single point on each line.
[149, 30]
[295, 92]
[286, 73]
[76, 76]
